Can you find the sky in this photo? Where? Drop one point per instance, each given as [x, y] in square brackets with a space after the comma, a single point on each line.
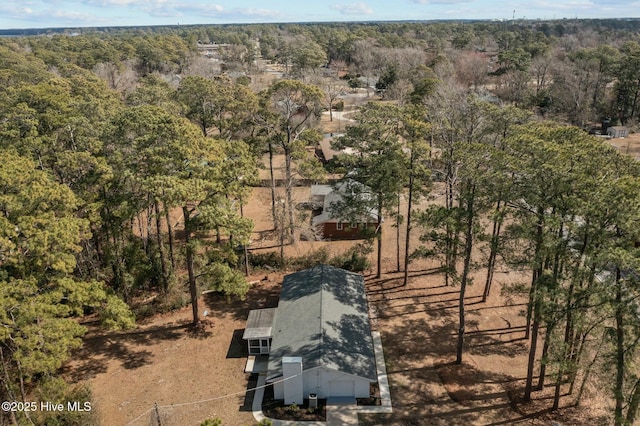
[16, 14]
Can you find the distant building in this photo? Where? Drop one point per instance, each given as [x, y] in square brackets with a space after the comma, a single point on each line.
[326, 153]
[617, 132]
[332, 227]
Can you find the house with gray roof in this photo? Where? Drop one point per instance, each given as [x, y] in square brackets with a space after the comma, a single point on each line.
[321, 337]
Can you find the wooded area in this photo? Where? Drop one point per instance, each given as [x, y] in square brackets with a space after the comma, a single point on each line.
[127, 157]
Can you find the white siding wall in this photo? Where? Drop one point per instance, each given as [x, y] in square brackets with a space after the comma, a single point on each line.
[278, 390]
[320, 380]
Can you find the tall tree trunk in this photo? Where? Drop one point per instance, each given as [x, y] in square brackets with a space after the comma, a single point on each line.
[246, 253]
[493, 250]
[398, 235]
[450, 247]
[563, 358]
[550, 327]
[537, 270]
[193, 289]
[405, 280]
[620, 367]
[534, 307]
[273, 188]
[167, 218]
[543, 359]
[141, 232]
[585, 378]
[7, 384]
[632, 411]
[163, 261]
[465, 272]
[289, 192]
[379, 236]
[149, 225]
[203, 122]
[448, 202]
[532, 352]
[574, 347]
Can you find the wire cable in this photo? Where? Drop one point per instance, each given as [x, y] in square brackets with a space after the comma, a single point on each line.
[182, 404]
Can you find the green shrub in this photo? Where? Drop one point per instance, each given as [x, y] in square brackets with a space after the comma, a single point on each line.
[212, 422]
[57, 391]
[356, 259]
[309, 260]
[270, 259]
[243, 80]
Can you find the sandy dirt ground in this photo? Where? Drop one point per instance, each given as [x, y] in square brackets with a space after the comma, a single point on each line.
[629, 145]
[163, 361]
[193, 376]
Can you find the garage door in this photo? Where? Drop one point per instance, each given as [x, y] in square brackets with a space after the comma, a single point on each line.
[342, 388]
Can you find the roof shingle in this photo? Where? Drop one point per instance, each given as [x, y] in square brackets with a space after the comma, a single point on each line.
[323, 317]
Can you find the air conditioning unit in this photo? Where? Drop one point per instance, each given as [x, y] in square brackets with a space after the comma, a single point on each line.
[313, 401]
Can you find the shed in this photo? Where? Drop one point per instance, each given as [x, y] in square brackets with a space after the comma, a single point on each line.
[617, 132]
[258, 332]
[322, 341]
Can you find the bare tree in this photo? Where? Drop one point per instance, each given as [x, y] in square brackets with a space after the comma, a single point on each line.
[122, 78]
[201, 66]
[332, 88]
[472, 69]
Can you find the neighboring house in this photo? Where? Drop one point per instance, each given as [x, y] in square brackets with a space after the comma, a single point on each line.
[321, 337]
[617, 132]
[326, 153]
[332, 227]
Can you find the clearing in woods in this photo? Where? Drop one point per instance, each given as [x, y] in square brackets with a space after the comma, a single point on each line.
[195, 376]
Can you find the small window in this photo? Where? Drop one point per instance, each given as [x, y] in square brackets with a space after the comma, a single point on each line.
[254, 346]
[354, 225]
[339, 226]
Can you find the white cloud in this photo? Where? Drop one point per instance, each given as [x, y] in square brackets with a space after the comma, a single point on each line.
[40, 15]
[212, 11]
[109, 3]
[248, 12]
[440, 2]
[359, 8]
[72, 17]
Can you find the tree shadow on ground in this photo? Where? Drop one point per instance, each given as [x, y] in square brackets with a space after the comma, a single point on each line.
[98, 349]
[443, 392]
[395, 283]
[434, 308]
[258, 297]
